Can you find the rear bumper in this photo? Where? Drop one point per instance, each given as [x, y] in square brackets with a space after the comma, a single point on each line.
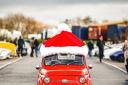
[63, 84]
[67, 83]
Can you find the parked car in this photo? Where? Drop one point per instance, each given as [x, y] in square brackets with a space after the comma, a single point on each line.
[108, 50]
[26, 49]
[5, 53]
[112, 49]
[64, 69]
[8, 46]
[95, 51]
[117, 56]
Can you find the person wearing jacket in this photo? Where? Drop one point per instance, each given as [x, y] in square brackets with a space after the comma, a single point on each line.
[32, 47]
[20, 45]
[90, 47]
[126, 53]
[36, 44]
[100, 44]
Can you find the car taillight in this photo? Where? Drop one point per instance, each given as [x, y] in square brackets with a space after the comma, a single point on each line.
[46, 80]
[82, 79]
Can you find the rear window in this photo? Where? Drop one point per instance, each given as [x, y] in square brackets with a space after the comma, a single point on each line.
[64, 59]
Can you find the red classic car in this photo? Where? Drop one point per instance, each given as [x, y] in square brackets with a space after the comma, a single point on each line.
[64, 69]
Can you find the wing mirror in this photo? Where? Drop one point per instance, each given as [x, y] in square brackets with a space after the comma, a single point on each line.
[38, 67]
[90, 66]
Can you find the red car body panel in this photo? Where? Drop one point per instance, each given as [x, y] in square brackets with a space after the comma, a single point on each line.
[59, 73]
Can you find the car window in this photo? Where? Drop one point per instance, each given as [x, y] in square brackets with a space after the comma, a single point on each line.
[64, 59]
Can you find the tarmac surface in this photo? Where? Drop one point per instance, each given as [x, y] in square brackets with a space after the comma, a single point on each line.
[23, 72]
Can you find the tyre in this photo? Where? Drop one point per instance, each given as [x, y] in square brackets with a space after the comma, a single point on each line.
[121, 58]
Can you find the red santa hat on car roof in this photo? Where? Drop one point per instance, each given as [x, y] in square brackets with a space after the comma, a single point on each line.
[64, 42]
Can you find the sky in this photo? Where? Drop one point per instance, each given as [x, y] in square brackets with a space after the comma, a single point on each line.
[52, 11]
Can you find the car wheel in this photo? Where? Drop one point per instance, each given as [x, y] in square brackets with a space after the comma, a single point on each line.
[112, 58]
[121, 59]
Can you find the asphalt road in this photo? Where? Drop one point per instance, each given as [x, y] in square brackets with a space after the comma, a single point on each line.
[103, 74]
[23, 72]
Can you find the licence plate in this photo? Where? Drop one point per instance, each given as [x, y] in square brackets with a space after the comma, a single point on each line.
[66, 57]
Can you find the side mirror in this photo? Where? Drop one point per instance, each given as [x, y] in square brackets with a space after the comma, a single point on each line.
[90, 66]
[38, 67]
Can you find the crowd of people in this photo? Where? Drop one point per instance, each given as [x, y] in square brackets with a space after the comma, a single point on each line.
[34, 47]
[20, 43]
[100, 44]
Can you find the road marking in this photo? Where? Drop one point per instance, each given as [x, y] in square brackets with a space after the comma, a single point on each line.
[1, 67]
[115, 67]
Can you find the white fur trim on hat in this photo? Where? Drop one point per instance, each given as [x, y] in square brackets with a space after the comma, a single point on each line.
[69, 49]
[63, 27]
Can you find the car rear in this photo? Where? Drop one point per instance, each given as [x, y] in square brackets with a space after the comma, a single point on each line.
[64, 69]
[66, 75]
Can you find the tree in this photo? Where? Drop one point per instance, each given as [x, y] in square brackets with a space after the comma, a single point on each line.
[87, 20]
[14, 21]
[1, 23]
[21, 23]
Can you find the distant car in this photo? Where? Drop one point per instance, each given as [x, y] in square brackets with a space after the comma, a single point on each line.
[5, 53]
[8, 46]
[114, 48]
[117, 56]
[39, 53]
[95, 51]
[64, 69]
[26, 49]
[108, 50]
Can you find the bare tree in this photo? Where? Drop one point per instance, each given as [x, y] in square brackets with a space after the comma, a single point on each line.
[21, 23]
[1, 23]
[87, 20]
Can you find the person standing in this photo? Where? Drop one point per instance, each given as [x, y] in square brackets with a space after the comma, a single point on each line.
[36, 44]
[32, 47]
[15, 41]
[100, 44]
[90, 47]
[126, 53]
[20, 44]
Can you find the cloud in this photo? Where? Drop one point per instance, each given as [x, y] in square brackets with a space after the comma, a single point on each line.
[55, 2]
[46, 10]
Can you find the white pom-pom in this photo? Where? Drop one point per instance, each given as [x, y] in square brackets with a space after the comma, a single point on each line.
[63, 27]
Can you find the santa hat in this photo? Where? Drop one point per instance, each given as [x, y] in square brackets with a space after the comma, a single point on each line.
[63, 27]
[65, 42]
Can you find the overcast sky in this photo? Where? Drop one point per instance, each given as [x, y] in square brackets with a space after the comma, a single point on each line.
[54, 10]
